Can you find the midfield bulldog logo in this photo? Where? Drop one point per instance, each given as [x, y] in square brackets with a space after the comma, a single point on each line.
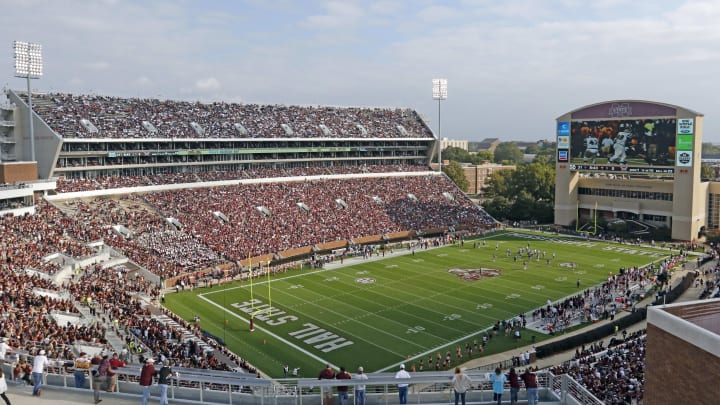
[475, 274]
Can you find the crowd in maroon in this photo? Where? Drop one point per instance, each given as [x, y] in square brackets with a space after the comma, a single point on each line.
[128, 118]
[66, 185]
[614, 375]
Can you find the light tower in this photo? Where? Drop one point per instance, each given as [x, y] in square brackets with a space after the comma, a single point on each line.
[439, 93]
[28, 64]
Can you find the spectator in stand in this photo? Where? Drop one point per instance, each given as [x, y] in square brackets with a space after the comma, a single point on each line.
[498, 382]
[514, 386]
[342, 389]
[402, 387]
[360, 388]
[4, 349]
[23, 371]
[164, 376]
[146, 379]
[82, 365]
[327, 374]
[115, 363]
[40, 363]
[531, 386]
[460, 384]
[104, 377]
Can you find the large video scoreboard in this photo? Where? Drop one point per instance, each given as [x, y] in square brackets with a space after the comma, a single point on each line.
[636, 137]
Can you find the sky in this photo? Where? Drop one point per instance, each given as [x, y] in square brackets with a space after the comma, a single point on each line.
[512, 66]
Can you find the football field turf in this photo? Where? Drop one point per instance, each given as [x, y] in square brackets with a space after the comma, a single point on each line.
[379, 313]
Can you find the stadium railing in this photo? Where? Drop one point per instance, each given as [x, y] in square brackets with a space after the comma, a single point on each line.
[221, 387]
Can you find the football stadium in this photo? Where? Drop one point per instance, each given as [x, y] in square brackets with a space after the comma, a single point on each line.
[249, 246]
[223, 252]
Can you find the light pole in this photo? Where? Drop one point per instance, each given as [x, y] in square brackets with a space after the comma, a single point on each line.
[439, 93]
[28, 64]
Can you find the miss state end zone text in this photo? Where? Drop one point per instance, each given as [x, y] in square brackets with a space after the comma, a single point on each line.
[310, 334]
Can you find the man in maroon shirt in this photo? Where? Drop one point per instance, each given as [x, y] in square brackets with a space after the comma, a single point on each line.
[146, 378]
[327, 374]
[530, 380]
[342, 389]
[115, 363]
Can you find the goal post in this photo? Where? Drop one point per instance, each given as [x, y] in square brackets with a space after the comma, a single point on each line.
[268, 309]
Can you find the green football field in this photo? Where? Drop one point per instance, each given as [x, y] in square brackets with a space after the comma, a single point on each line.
[380, 313]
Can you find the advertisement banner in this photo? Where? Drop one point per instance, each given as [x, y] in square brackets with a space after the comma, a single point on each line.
[563, 128]
[685, 126]
[684, 142]
[684, 158]
[563, 135]
[562, 155]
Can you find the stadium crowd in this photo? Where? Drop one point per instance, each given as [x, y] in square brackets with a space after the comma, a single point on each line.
[615, 375]
[135, 226]
[67, 185]
[275, 217]
[115, 117]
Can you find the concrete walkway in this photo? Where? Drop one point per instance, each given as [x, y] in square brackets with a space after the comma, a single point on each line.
[22, 395]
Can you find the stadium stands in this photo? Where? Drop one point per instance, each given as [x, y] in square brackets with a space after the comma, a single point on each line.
[91, 116]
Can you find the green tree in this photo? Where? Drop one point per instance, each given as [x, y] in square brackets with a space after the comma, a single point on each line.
[508, 152]
[457, 154]
[523, 207]
[498, 207]
[483, 155]
[497, 184]
[456, 173]
[706, 172]
[527, 193]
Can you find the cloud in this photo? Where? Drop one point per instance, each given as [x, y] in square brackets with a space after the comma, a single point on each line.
[143, 81]
[207, 85]
[529, 58]
[97, 65]
[337, 14]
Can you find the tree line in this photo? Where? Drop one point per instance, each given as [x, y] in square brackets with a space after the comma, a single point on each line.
[526, 193]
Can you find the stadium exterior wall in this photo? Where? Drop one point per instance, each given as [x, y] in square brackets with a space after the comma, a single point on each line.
[47, 142]
[681, 341]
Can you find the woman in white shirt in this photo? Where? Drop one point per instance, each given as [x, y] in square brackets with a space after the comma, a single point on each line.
[460, 383]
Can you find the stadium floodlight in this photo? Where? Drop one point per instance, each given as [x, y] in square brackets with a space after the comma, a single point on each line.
[439, 93]
[28, 64]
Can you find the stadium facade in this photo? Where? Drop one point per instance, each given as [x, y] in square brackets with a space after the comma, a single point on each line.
[683, 339]
[635, 162]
